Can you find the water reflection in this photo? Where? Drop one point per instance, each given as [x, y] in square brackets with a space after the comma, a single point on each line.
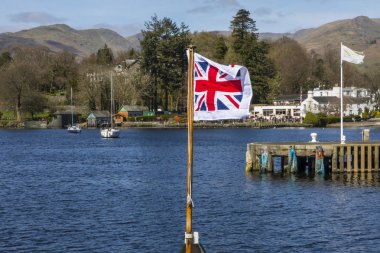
[371, 179]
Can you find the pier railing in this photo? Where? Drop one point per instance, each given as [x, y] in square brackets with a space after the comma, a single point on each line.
[338, 158]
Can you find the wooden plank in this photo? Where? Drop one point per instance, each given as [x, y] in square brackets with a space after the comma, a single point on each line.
[362, 158]
[369, 160]
[341, 158]
[270, 162]
[349, 159]
[282, 163]
[356, 158]
[376, 167]
[334, 162]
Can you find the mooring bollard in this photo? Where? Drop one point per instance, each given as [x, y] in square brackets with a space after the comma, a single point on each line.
[313, 137]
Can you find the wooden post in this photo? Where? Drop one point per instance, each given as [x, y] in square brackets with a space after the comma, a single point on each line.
[311, 164]
[282, 163]
[356, 158]
[190, 119]
[362, 158]
[376, 158]
[341, 158]
[270, 162]
[349, 158]
[369, 160]
[334, 162]
[286, 163]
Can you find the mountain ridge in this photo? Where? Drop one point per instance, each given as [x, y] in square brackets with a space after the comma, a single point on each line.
[361, 33]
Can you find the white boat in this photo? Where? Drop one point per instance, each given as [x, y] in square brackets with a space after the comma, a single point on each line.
[75, 129]
[110, 132]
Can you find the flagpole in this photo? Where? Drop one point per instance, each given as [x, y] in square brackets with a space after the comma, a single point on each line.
[342, 138]
[190, 119]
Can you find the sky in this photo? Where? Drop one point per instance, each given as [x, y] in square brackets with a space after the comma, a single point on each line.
[127, 17]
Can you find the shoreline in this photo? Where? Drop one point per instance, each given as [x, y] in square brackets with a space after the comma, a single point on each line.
[211, 124]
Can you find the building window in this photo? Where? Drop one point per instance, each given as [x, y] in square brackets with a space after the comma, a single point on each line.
[267, 112]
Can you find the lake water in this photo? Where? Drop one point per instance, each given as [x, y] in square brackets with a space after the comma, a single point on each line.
[63, 192]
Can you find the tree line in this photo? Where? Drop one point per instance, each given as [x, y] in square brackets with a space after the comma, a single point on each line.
[33, 79]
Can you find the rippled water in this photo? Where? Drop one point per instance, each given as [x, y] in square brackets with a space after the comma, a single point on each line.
[63, 192]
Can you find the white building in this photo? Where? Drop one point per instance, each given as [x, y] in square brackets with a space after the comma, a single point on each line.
[355, 100]
[269, 112]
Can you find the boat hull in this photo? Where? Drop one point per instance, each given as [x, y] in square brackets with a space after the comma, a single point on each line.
[74, 130]
[110, 133]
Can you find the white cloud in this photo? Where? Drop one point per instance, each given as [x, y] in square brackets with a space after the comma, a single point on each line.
[213, 5]
[41, 18]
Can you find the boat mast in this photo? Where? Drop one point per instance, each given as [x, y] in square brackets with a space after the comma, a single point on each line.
[111, 101]
[71, 99]
[190, 118]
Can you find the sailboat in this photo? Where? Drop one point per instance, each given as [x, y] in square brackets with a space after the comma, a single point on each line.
[73, 128]
[110, 132]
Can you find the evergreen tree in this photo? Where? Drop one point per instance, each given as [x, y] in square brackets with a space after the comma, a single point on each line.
[220, 48]
[104, 56]
[163, 58]
[243, 28]
[251, 53]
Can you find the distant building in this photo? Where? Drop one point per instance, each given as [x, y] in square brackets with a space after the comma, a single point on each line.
[98, 118]
[284, 107]
[355, 100]
[289, 99]
[269, 112]
[62, 119]
[127, 111]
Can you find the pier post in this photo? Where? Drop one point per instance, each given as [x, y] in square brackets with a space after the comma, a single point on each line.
[369, 160]
[334, 162]
[376, 158]
[270, 162]
[356, 158]
[341, 158]
[362, 158]
[349, 159]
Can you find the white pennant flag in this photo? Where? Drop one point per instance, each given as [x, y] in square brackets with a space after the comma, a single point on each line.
[352, 56]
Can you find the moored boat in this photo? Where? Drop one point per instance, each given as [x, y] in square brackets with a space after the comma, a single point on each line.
[75, 129]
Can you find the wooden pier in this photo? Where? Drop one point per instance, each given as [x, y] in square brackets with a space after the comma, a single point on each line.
[338, 158]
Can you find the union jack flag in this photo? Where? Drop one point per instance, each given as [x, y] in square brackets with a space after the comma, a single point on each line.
[220, 91]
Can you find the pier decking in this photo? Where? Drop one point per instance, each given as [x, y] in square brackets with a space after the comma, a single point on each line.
[338, 158]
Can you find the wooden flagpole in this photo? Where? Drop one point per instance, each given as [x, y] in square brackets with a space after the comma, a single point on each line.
[342, 137]
[192, 244]
[190, 119]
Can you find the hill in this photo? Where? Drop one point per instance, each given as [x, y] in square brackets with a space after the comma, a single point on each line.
[62, 37]
[361, 33]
